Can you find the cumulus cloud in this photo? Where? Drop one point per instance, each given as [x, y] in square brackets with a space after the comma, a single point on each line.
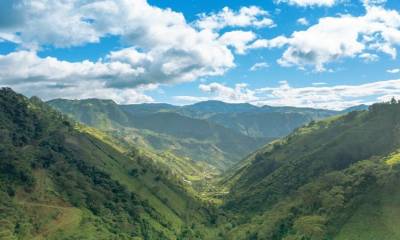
[334, 38]
[161, 46]
[239, 40]
[85, 90]
[239, 93]
[25, 66]
[59, 23]
[335, 97]
[308, 3]
[246, 17]
[258, 66]
[30, 74]
[329, 97]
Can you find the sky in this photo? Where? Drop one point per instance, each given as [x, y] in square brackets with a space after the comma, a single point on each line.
[329, 54]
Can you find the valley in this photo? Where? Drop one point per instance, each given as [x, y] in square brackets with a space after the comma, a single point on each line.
[91, 171]
[199, 120]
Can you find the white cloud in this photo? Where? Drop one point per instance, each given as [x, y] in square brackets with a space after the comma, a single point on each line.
[373, 2]
[335, 97]
[394, 70]
[259, 65]
[328, 97]
[368, 57]
[123, 69]
[303, 21]
[34, 23]
[171, 50]
[239, 40]
[85, 90]
[334, 38]
[308, 3]
[26, 72]
[269, 43]
[190, 99]
[25, 66]
[239, 93]
[246, 17]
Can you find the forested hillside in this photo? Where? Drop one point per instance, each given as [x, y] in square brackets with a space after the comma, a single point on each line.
[160, 128]
[215, 133]
[333, 179]
[59, 180]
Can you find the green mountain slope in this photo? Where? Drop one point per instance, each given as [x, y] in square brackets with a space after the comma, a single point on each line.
[59, 180]
[260, 122]
[159, 128]
[213, 132]
[333, 179]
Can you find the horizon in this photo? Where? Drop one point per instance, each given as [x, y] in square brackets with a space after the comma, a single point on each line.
[206, 101]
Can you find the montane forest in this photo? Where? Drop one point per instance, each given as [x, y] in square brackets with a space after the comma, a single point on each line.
[199, 120]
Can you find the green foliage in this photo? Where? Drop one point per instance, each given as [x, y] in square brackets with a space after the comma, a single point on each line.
[332, 179]
[310, 227]
[212, 132]
[59, 181]
[307, 185]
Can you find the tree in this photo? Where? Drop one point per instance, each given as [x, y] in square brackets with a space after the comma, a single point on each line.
[310, 227]
[333, 199]
[134, 172]
[393, 100]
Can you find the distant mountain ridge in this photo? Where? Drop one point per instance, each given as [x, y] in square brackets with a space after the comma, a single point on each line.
[160, 128]
[214, 132]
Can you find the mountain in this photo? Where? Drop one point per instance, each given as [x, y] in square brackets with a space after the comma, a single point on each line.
[257, 122]
[62, 180]
[160, 128]
[336, 178]
[271, 125]
[213, 106]
[332, 179]
[361, 107]
[215, 133]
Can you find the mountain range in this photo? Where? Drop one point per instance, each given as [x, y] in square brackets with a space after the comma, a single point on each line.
[333, 177]
[212, 132]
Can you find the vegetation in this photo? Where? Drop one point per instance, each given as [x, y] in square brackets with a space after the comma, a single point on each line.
[321, 181]
[331, 179]
[212, 133]
[57, 182]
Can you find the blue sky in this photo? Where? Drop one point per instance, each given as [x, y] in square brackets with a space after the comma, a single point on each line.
[315, 53]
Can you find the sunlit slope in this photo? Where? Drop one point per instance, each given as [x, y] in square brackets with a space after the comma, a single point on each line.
[60, 181]
[333, 179]
[161, 127]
